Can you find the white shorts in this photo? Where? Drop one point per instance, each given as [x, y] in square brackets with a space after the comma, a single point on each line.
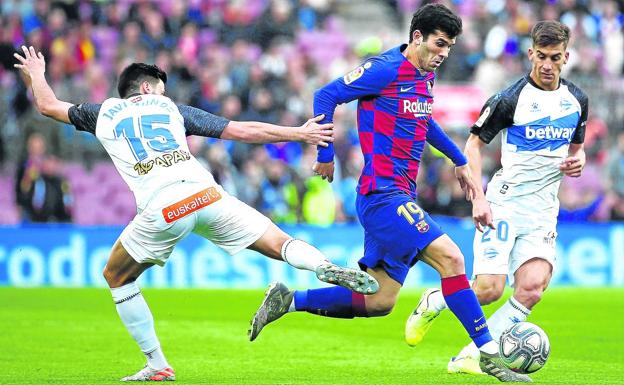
[516, 239]
[169, 217]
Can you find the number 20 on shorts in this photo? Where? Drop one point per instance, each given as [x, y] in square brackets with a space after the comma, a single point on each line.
[502, 232]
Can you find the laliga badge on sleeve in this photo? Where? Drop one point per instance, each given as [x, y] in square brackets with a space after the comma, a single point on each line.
[356, 73]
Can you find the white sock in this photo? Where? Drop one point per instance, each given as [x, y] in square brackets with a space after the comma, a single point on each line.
[470, 350]
[137, 318]
[489, 347]
[436, 301]
[292, 307]
[510, 313]
[302, 255]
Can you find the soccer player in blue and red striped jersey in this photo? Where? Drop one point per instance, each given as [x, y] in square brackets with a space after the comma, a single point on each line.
[394, 93]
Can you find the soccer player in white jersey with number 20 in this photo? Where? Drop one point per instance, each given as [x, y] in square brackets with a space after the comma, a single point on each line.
[542, 119]
[144, 133]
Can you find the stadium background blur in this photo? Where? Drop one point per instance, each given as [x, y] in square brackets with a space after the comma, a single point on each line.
[262, 60]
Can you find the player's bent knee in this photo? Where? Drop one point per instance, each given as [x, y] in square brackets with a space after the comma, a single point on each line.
[529, 297]
[379, 307]
[487, 295]
[115, 278]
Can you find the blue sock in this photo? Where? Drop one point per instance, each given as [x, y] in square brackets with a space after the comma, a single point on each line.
[462, 301]
[336, 301]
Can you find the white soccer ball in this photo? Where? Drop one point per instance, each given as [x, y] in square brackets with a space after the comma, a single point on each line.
[524, 347]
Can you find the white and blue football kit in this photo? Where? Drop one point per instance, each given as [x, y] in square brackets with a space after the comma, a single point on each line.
[536, 127]
[145, 136]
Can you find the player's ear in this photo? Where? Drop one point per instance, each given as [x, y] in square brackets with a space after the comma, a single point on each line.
[146, 87]
[566, 56]
[530, 53]
[417, 37]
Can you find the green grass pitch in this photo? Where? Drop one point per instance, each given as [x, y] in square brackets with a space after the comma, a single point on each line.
[74, 336]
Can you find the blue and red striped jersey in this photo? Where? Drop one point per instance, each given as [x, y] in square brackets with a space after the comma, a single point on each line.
[393, 117]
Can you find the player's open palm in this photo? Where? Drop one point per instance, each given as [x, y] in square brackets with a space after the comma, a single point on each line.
[317, 134]
[325, 170]
[482, 214]
[31, 63]
[462, 173]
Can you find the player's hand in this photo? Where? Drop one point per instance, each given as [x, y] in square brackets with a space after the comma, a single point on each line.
[482, 214]
[572, 166]
[462, 173]
[317, 134]
[30, 64]
[325, 170]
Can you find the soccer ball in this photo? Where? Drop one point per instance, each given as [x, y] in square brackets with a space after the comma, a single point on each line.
[524, 347]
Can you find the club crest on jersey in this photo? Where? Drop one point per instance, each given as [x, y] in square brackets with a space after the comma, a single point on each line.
[565, 104]
[356, 73]
[430, 87]
[422, 226]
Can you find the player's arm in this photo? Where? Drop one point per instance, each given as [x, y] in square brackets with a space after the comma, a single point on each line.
[443, 143]
[367, 79]
[202, 123]
[32, 67]
[574, 163]
[310, 132]
[496, 115]
[482, 215]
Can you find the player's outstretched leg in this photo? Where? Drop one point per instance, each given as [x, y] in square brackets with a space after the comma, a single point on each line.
[428, 309]
[277, 300]
[445, 256]
[276, 244]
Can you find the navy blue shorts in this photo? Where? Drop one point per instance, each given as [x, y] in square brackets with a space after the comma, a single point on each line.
[396, 230]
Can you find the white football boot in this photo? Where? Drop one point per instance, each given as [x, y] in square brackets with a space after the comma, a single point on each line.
[467, 361]
[149, 374]
[421, 319]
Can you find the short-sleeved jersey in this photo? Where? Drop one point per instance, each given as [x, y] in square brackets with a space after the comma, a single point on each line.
[393, 116]
[537, 128]
[145, 136]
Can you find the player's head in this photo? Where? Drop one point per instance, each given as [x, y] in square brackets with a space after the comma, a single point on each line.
[141, 78]
[433, 31]
[548, 53]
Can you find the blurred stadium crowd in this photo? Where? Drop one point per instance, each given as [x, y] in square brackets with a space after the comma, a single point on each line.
[262, 60]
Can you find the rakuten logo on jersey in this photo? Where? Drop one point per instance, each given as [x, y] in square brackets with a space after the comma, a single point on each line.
[548, 132]
[417, 108]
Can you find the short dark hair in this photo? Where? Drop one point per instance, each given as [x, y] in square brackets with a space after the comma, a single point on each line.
[550, 32]
[434, 17]
[133, 75]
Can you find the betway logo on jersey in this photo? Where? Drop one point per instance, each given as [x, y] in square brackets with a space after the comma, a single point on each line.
[549, 132]
[417, 107]
[544, 133]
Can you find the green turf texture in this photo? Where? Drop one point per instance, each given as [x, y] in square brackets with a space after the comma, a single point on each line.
[74, 336]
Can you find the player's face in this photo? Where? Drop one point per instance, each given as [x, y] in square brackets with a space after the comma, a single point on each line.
[434, 50]
[546, 63]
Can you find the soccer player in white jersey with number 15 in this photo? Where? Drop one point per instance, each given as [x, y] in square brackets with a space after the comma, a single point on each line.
[144, 132]
[541, 118]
